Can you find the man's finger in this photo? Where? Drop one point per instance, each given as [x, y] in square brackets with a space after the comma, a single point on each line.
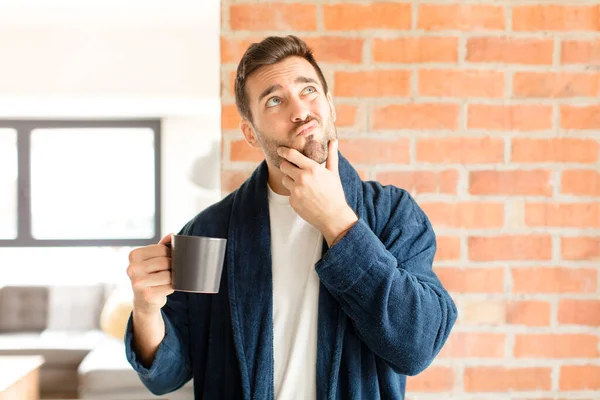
[290, 169]
[295, 157]
[156, 264]
[163, 289]
[156, 279]
[145, 253]
[332, 157]
[288, 183]
[166, 239]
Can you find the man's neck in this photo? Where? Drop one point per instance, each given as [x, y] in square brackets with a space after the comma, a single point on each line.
[275, 178]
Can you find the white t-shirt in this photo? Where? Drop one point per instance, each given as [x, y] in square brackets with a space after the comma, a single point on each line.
[295, 248]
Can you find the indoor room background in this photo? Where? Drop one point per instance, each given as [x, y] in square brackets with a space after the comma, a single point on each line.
[487, 112]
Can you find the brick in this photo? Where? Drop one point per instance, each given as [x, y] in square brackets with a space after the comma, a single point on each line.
[372, 83]
[470, 344]
[372, 151]
[352, 17]
[580, 52]
[537, 280]
[555, 85]
[580, 248]
[433, 379]
[510, 50]
[556, 18]
[468, 215]
[232, 49]
[462, 150]
[550, 345]
[416, 116]
[471, 280]
[522, 117]
[564, 215]
[559, 150]
[579, 312]
[230, 118]
[364, 174]
[418, 182]
[336, 49]
[416, 50]
[242, 151]
[580, 117]
[345, 115]
[500, 379]
[528, 313]
[461, 84]
[582, 182]
[498, 312]
[448, 248]
[231, 180]
[506, 248]
[273, 16]
[464, 17]
[232, 83]
[483, 312]
[512, 183]
[579, 377]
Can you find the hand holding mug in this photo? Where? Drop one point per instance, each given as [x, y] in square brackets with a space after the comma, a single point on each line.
[150, 273]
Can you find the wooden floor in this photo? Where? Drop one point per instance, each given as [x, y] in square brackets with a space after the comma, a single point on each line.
[58, 395]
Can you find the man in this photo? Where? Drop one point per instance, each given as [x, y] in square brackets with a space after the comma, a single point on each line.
[327, 288]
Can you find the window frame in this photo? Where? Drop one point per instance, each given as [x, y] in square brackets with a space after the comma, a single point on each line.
[24, 217]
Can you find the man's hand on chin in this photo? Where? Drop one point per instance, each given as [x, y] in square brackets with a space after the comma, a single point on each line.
[316, 192]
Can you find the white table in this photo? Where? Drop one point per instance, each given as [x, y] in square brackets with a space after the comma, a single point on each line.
[20, 377]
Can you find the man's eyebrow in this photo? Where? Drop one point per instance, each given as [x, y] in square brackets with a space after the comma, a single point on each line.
[269, 90]
[272, 88]
[304, 79]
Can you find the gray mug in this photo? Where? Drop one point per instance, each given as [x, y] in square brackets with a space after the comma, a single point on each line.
[197, 263]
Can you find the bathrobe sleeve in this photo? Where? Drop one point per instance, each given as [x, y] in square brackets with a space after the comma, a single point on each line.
[171, 367]
[381, 274]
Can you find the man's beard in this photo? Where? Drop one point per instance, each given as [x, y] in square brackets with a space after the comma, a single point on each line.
[315, 149]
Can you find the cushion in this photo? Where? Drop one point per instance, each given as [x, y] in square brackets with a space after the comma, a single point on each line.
[60, 308]
[23, 308]
[75, 307]
[116, 312]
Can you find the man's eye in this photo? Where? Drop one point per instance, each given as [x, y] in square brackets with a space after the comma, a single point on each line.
[309, 90]
[273, 101]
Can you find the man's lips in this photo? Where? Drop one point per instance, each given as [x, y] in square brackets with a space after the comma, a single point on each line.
[307, 128]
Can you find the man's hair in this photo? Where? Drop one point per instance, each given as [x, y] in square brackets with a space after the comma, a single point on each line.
[269, 51]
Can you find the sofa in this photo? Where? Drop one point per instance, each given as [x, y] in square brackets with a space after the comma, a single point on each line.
[78, 330]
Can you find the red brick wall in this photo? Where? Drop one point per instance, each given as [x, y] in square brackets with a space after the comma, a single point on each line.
[489, 113]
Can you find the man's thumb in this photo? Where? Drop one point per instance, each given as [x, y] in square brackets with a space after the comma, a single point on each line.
[332, 158]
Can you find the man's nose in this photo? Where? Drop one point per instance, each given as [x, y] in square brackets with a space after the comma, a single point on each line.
[299, 112]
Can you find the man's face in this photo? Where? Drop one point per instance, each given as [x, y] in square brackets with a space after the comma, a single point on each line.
[289, 108]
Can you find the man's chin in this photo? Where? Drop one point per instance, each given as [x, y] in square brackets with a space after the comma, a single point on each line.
[319, 157]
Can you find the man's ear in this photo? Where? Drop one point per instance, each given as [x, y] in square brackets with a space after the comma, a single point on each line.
[249, 133]
[331, 106]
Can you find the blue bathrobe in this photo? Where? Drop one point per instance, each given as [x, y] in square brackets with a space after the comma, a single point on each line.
[383, 313]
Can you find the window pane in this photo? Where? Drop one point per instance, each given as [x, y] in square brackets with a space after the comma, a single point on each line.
[8, 183]
[92, 183]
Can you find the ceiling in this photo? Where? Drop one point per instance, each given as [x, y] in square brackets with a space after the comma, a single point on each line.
[203, 13]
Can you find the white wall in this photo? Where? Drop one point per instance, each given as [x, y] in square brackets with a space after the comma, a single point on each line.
[109, 59]
[103, 59]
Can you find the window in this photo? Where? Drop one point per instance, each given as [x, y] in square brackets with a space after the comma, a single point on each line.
[79, 183]
[8, 184]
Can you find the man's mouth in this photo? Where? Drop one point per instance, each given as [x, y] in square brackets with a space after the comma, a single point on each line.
[307, 128]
